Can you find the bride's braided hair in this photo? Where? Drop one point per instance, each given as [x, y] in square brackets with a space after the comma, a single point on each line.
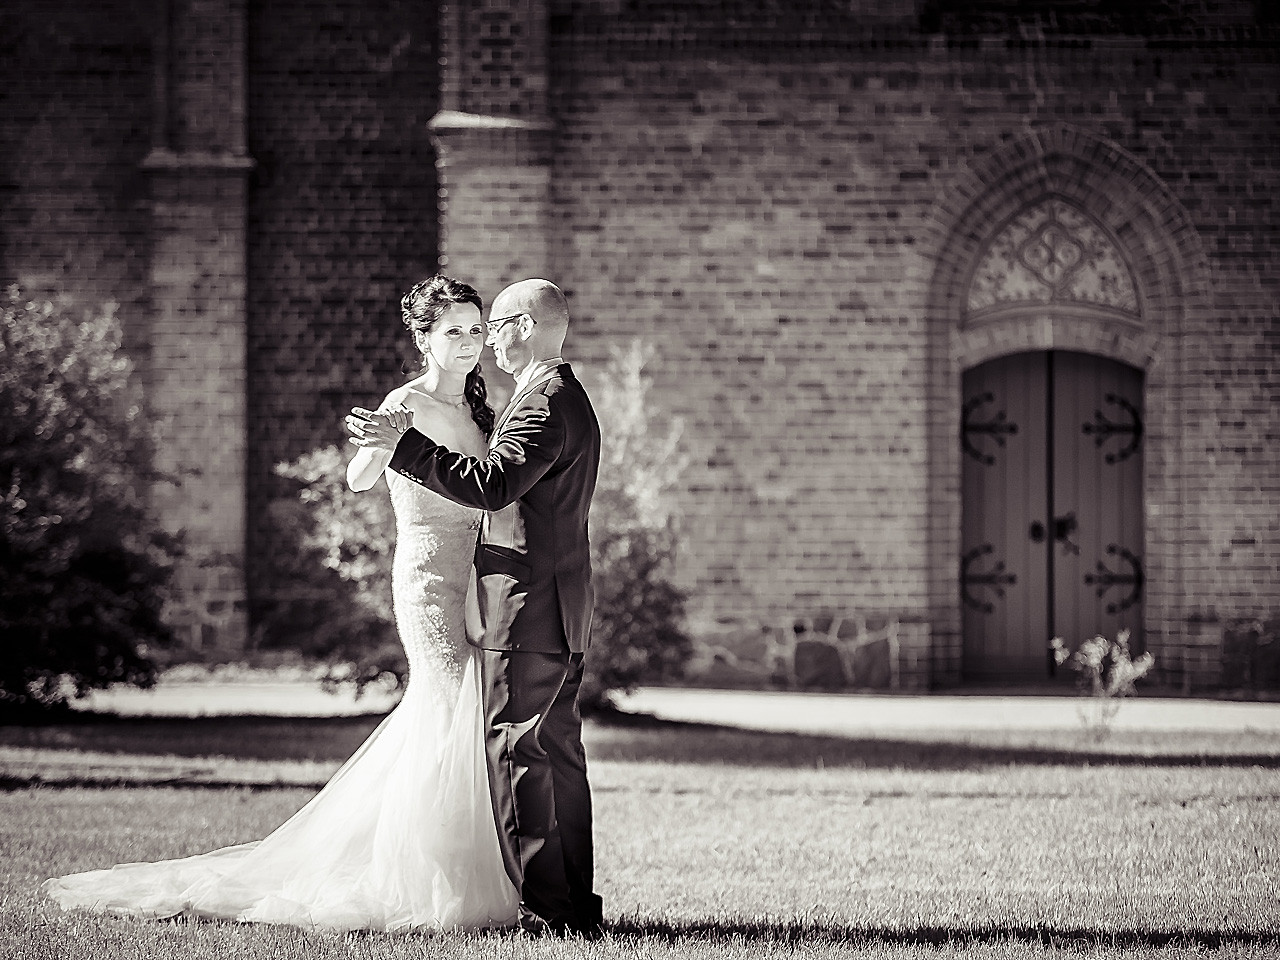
[422, 307]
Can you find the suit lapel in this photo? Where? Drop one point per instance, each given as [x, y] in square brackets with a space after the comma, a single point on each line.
[561, 369]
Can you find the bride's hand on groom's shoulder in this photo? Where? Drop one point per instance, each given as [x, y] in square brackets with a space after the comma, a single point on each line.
[379, 429]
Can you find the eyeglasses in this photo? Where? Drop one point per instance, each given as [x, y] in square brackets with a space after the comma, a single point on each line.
[493, 326]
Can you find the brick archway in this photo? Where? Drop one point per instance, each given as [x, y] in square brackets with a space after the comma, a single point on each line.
[1169, 266]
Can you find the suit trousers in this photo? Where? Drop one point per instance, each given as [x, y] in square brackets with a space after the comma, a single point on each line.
[538, 781]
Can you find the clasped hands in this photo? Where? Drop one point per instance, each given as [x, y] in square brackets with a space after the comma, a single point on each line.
[380, 430]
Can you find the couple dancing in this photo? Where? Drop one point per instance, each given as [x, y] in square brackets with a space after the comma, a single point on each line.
[468, 807]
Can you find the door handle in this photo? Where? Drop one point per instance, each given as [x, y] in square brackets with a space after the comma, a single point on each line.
[1063, 527]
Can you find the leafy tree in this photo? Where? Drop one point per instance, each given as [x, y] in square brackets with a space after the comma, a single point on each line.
[86, 567]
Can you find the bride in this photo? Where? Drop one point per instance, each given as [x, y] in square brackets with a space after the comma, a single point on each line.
[403, 836]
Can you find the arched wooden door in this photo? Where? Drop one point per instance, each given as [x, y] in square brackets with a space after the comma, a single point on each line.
[1052, 538]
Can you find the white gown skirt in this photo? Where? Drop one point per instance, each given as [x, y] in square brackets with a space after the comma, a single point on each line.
[401, 838]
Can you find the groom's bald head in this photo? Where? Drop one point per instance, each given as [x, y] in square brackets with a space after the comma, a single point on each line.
[544, 302]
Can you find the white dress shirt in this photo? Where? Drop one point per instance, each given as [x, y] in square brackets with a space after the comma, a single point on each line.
[535, 372]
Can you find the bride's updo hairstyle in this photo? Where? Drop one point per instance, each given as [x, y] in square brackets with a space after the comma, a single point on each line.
[422, 307]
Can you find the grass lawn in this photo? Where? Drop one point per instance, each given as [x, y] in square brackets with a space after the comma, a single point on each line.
[727, 843]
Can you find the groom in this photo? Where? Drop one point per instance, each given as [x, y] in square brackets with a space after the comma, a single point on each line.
[533, 568]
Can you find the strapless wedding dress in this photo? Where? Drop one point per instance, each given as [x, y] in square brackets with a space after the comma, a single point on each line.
[402, 837]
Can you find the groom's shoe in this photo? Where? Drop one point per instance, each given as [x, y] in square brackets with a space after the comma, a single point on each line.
[533, 925]
[588, 930]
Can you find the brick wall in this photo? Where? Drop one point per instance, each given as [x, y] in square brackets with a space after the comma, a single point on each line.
[495, 146]
[342, 221]
[762, 204]
[198, 169]
[124, 177]
[123, 180]
[75, 123]
[754, 222]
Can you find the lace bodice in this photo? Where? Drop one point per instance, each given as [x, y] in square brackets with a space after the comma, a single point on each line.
[435, 547]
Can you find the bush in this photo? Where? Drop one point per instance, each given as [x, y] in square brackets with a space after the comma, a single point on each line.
[86, 566]
[340, 611]
[638, 632]
[1105, 673]
[336, 608]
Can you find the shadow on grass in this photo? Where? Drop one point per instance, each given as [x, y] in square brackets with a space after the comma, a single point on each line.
[638, 738]
[643, 738]
[794, 934]
[243, 737]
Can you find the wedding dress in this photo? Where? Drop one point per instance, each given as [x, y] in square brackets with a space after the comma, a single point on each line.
[402, 837]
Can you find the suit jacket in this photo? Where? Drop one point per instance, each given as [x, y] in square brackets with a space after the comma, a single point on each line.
[533, 561]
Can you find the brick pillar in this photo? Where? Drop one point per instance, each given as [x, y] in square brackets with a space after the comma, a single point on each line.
[196, 371]
[495, 142]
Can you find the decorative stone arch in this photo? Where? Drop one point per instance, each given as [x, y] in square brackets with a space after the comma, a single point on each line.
[1052, 277]
[1131, 207]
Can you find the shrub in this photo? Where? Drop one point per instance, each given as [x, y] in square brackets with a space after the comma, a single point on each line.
[86, 566]
[1105, 673]
[638, 631]
[336, 607]
[340, 612]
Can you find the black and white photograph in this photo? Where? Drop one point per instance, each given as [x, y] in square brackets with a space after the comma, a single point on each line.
[639, 479]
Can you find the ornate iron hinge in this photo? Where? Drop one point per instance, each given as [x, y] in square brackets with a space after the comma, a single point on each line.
[1105, 578]
[993, 578]
[1102, 429]
[994, 427]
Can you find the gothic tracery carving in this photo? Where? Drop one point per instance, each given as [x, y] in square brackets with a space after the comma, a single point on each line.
[1052, 253]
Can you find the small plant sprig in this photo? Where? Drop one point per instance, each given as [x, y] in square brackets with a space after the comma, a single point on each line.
[1106, 673]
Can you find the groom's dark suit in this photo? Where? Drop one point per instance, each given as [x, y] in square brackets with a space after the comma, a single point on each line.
[533, 566]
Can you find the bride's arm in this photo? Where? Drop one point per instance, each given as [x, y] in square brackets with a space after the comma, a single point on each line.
[366, 467]
[368, 464]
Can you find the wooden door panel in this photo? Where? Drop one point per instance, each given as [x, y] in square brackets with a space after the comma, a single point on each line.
[1004, 487]
[1023, 500]
[1097, 472]
[1075, 511]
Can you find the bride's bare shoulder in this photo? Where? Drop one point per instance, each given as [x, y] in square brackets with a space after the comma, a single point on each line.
[400, 396]
[409, 395]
